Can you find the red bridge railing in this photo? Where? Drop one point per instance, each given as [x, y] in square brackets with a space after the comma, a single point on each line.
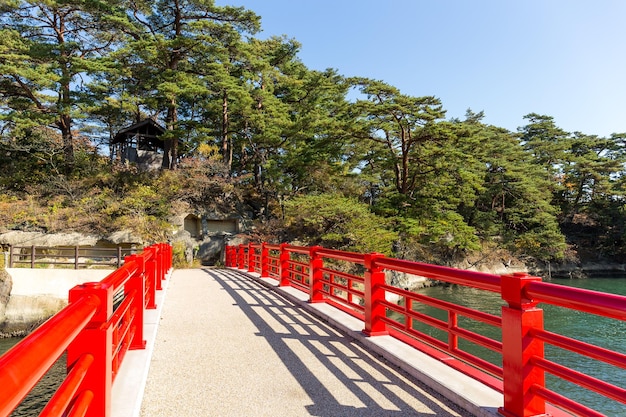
[329, 276]
[102, 321]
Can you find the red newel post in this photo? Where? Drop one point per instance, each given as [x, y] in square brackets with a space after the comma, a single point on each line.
[241, 256]
[228, 256]
[284, 259]
[374, 296]
[316, 278]
[96, 340]
[251, 253]
[159, 266]
[136, 284]
[167, 264]
[153, 269]
[519, 318]
[233, 256]
[265, 260]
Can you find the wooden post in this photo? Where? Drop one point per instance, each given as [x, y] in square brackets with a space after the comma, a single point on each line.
[119, 256]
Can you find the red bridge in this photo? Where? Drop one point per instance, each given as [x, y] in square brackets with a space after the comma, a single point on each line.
[105, 320]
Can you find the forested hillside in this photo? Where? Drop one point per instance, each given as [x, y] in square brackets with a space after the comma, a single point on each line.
[316, 157]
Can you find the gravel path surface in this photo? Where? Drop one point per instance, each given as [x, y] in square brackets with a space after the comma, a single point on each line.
[227, 346]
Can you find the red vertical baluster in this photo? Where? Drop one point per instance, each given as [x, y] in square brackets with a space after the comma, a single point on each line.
[453, 323]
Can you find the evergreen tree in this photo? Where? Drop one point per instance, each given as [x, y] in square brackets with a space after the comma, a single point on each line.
[46, 49]
[402, 128]
[175, 41]
[515, 204]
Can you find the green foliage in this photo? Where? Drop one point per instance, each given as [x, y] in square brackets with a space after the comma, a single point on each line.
[179, 261]
[252, 131]
[338, 222]
[44, 48]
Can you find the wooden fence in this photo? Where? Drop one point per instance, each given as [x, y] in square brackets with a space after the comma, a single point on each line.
[75, 257]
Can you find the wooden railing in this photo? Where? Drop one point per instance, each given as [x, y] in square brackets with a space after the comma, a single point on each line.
[356, 284]
[67, 256]
[102, 321]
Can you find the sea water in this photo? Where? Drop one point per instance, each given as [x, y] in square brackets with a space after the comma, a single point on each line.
[600, 331]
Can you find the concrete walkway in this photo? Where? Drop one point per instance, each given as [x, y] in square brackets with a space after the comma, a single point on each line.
[229, 344]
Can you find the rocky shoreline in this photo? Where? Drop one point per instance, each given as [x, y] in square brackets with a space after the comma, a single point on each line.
[5, 291]
[20, 315]
[580, 270]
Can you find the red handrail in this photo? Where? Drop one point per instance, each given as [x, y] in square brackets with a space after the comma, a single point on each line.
[521, 378]
[95, 335]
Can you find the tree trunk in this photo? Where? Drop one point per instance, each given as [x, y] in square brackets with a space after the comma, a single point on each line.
[65, 120]
[170, 154]
[167, 145]
[65, 127]
[227, 146]
[174, 148]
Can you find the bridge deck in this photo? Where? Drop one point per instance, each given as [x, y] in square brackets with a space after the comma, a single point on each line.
[228, 345]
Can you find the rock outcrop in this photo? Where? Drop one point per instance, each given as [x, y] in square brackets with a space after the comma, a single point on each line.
[5, 291]
[20, 238]
[23, 314]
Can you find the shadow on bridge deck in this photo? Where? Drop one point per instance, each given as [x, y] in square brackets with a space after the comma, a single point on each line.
[230, 345]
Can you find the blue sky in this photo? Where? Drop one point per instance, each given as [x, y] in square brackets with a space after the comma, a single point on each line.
[508, 58]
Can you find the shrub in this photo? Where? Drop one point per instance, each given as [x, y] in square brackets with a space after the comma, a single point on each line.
[337, 222]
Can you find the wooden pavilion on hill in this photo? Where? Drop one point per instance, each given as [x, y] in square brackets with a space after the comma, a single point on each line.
[139, 144]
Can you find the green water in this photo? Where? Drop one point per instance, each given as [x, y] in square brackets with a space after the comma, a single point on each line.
[43, 391]
[596, 330]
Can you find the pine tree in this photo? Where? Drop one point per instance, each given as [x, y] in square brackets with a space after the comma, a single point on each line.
[46, 50]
